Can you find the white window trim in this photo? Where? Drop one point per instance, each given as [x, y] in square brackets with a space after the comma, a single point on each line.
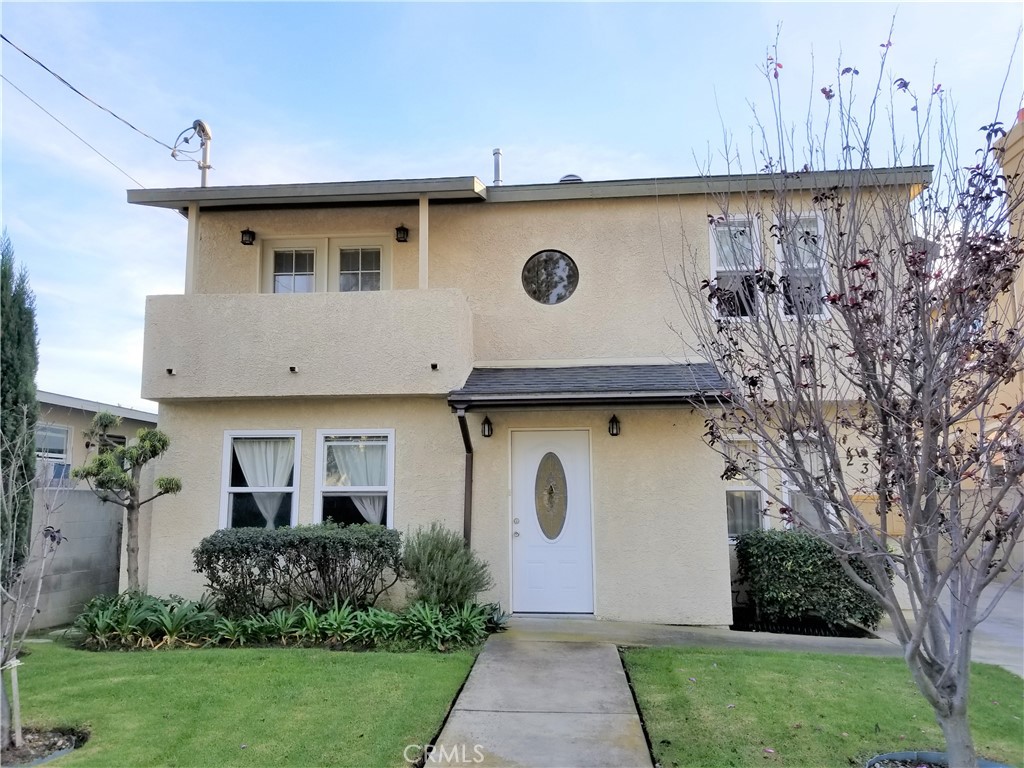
[737, 485]
[758, 253]
[229, 436]
[780, 268]
[68, 432]
[326, 261]
[320, 487]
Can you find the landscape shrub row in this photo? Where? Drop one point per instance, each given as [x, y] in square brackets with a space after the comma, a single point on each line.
[134, 621]
[792, 576]
[253, 570]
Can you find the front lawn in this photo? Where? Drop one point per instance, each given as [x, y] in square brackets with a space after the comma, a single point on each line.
[241, 707]
[743, 708]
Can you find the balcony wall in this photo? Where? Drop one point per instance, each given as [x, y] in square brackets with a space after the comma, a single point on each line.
[242, 345]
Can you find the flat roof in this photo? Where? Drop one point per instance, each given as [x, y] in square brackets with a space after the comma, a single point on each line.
[66, 401]
[471, 189]
[326, 193]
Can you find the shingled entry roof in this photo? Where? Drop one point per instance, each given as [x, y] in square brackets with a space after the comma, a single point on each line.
[592, 384]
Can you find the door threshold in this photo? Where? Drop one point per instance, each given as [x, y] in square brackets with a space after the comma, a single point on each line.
[541, 615]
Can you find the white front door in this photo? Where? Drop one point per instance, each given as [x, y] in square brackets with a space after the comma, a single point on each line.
[552, 553]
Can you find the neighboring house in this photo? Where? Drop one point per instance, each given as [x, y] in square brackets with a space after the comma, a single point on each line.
[87, 564]
[61, 442]
[507, 360]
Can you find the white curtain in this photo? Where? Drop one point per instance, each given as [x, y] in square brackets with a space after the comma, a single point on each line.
[364, 464]
[266, 463]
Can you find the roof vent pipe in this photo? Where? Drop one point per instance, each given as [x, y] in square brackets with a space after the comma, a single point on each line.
[497, 167]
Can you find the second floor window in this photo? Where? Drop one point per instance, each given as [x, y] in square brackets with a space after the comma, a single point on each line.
[736, 259]
[294, 270]
[801, 266]
[325, 265]
[360, 269]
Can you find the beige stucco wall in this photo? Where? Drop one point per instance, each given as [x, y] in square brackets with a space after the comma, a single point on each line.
[243, 345]
[660, 547]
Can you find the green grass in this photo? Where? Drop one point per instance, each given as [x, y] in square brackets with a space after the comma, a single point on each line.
[809, 709]
[241, 707]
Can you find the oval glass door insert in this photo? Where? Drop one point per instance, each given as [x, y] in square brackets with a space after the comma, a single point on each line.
[551, 496]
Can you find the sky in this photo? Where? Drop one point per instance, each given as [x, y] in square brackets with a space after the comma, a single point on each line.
[307, 92]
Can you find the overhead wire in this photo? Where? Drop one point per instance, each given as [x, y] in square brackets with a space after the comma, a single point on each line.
[91, 101]
[90, 146]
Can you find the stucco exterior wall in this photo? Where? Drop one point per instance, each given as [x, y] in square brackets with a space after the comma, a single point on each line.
[429, 468]
[237, 345]
[660, 547]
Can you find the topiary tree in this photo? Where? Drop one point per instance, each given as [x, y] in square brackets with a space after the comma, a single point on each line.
[19, 410]
[114, 474]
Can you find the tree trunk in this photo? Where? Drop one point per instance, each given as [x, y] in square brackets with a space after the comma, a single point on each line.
[959, 744]
[132, 538]
[5, 717]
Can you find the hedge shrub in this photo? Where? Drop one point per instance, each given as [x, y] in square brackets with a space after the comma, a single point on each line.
[444, 571]
[794, 576]
[254, 570]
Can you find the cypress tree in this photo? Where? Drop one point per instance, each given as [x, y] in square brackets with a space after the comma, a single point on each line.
[19, 409]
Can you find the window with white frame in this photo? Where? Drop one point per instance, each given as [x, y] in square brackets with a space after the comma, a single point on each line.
[744, 502]
[261, 479]
[325, 264]
[355, 476]
[736, 260]
[53, 443]
[800, 251]
[360, 269]
[802, 508]
[294, 270]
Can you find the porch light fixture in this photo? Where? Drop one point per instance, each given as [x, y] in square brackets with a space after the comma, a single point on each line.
[486, 428]
[401, 234]
[248, 236]
[614, 427]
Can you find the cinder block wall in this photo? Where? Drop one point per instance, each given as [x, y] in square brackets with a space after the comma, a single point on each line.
[86, 564]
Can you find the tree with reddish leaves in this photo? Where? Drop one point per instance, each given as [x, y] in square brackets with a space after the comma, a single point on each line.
[872, 342]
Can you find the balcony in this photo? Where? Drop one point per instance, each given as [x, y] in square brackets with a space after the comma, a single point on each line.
[306, 345]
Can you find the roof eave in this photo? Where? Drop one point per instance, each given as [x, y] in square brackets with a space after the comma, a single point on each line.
[398, 191]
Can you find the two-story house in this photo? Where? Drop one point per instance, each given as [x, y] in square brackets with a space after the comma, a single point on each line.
[507, 360]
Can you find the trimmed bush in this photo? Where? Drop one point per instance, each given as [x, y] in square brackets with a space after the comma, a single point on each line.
[794, 576]
[443, 570]
[255, 570]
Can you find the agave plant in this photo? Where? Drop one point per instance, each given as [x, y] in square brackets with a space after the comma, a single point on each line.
[338, 624]
[309, 629]
[374, 627]
[283, 625]
[179, 623]
[231, 631]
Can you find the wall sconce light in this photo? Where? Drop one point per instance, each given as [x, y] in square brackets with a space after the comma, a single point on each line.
[486, 428]
[401, 234]
[614, 427]
[170, 371]
[248, 236]
[293, 369]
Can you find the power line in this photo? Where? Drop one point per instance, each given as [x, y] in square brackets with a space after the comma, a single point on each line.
[69, 85]
[90, 146]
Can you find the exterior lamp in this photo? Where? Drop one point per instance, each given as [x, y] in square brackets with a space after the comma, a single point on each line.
[248, 236]
[401, 234]
[614, 427]
[486, 428]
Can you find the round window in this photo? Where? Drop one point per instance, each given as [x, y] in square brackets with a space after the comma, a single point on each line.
[550, 277]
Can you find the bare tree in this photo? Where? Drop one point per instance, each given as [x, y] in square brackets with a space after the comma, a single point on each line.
[868, 322]
[115, 475]
[22, 582]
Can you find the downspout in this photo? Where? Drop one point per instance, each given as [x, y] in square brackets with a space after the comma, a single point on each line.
[467, 509]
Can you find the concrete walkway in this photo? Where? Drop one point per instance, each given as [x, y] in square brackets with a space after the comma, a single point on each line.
[550, 692]
[544, 705]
